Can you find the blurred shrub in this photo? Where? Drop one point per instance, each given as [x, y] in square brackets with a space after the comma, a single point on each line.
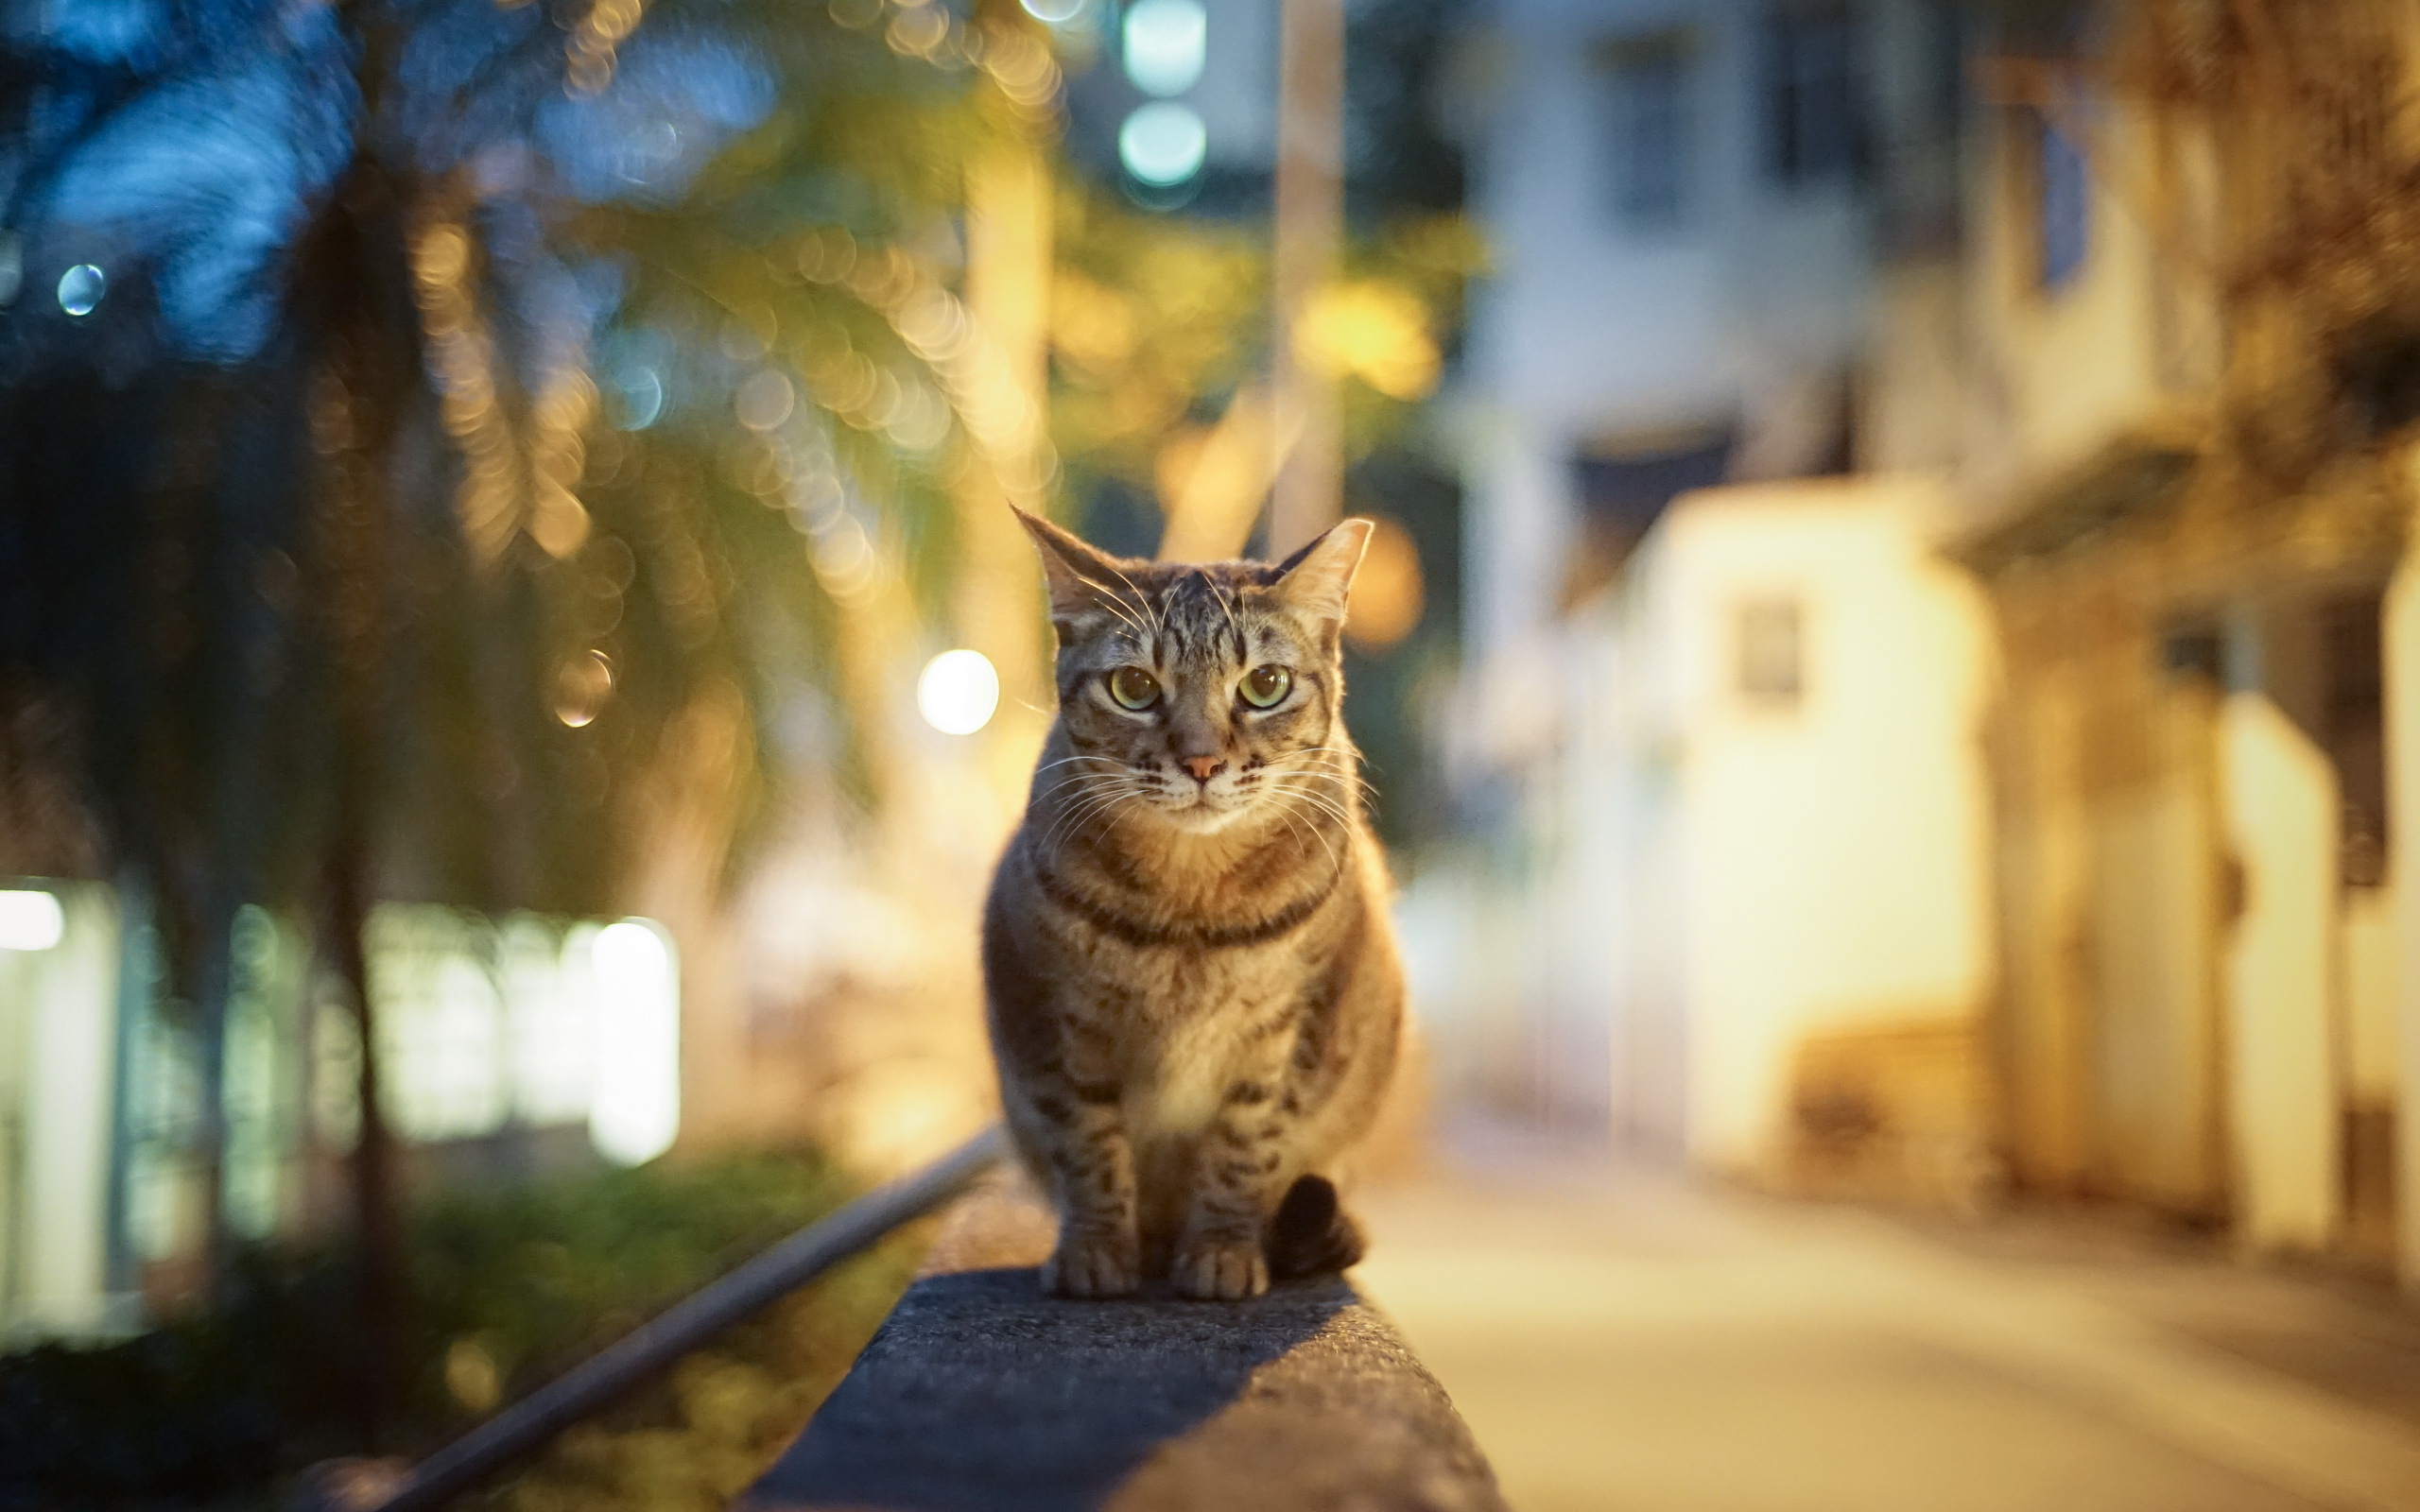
[512, 1284]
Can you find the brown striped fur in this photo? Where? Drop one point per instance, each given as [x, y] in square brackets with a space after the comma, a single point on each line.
[1193, 991]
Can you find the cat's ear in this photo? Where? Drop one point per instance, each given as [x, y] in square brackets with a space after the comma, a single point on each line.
[1083, 582]
[1317, 580]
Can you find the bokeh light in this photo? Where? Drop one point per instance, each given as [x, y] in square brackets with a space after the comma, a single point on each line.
[30, 920]
[635, 1111]
[1167, 42]
[642, 399]
[582, 688]
[764, 400]
[1388, 594]
[957, 691]
[82, 289]
[1163, 143]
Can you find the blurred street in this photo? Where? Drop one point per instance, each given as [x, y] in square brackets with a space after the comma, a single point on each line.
[1619, 1340]
[1883, 638]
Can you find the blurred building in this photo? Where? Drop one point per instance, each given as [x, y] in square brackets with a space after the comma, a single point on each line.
[1720, 699]
[2191, 473]
[511, 1047]
[2096, 323]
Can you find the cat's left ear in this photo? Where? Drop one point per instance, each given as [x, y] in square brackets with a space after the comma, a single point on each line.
[1083, 580]
[1317, 580]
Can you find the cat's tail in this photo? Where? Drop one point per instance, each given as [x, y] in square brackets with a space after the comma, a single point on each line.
[1311, 1235]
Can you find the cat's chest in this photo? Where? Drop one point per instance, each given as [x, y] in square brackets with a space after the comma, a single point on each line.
[1196, 1028]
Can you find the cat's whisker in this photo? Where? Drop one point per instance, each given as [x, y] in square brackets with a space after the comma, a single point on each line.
[1125, 613]
[1312, 803]
[1070, 817]
[1080, 808]
[1342, 776]
[1073, 780]
[1227, 606]
[1317, 801]
[1285, 812]
[1068, 761]
[1158, 626]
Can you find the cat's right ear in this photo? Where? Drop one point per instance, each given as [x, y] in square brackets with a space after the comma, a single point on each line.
[1083, 582]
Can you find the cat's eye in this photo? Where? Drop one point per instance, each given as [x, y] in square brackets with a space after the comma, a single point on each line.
[1133, 688]
[1267, 687]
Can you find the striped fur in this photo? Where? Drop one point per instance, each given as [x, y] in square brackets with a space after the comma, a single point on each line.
[1193, 991]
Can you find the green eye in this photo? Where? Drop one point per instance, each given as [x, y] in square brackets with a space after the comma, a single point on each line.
[1267, 687]
[1133, 688]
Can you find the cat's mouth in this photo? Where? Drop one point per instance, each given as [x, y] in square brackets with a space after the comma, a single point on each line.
[1198, 806]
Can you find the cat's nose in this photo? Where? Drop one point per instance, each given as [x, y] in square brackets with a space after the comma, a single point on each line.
[1203, 767]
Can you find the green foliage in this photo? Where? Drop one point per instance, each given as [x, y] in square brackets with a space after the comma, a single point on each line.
[514, 1284]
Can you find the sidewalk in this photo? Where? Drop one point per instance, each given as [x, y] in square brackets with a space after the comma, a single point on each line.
[1620, 1340]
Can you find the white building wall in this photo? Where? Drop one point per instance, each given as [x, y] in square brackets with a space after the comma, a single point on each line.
[1591, 327]
[1831, 857]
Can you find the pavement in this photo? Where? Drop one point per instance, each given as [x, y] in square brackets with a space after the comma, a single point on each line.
[1624, 1339]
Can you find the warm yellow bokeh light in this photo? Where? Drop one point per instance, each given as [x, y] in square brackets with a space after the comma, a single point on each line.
[1388, 595]
[957, 691]
[1372, 330]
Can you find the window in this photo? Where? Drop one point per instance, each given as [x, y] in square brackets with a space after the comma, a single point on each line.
[1813, 127]
[2063, 202]
[1772, 653]
[1647, 118]
[1946, 41]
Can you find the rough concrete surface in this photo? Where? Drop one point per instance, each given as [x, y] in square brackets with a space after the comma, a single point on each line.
[981, 1394]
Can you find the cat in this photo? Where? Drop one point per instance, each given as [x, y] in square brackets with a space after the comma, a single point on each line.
[1192, 986]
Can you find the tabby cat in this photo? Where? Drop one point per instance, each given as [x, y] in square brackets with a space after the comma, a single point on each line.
[1193, 990]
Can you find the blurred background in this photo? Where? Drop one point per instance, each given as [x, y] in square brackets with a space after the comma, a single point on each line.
[1887, 662]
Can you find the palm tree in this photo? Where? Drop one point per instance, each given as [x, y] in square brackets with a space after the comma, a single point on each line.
[427, 427]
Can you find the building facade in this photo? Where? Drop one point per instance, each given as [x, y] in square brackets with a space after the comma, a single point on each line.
[2109, 298]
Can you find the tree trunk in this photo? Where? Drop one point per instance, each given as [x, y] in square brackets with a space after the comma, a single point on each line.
[382, 1363]
[364, 374]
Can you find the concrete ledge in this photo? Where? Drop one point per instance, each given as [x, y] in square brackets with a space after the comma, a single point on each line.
[980, 1394]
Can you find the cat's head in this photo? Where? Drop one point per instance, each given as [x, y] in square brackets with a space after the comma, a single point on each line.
[1199, 695]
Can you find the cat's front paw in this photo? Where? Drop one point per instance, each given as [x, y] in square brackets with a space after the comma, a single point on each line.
[1094, 1266]
[1221, 1271]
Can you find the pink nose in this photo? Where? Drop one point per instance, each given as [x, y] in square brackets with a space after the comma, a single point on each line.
[1203, 767]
